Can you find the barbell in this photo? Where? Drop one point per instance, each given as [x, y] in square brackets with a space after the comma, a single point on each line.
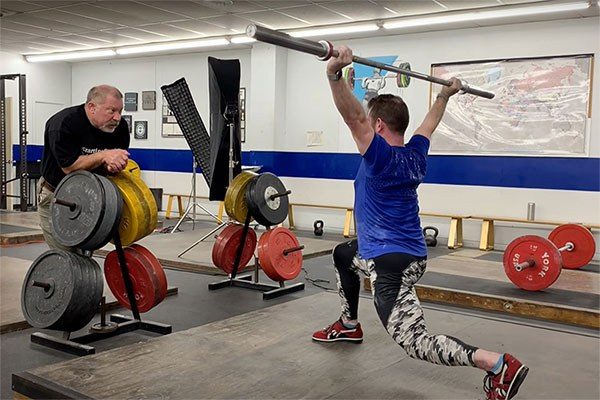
[324, 51]
[535, 263]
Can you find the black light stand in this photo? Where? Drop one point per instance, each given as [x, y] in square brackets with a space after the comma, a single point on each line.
[118, 325]
[231, 114]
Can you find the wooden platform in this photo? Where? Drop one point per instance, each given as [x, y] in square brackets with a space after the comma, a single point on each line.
[13, 271]
[268, 354]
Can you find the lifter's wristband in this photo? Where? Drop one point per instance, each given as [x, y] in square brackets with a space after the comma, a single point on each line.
[335, 77]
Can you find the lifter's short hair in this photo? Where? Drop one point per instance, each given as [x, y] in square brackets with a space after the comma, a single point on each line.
[390, 109]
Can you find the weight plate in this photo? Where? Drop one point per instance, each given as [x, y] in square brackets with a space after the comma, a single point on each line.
[112, 216]
[133, 168]
[583, 242]
[402, 80]
[267, 211]
[155, 264]
[74, 227]
[226, 247]
[71, 297]
[145, 285]
[150, 201]
[235, 197]
[542, 252]
[276, 265]
[349, 75]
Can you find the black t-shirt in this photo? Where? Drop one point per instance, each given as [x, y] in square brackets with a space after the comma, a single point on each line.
[70, 134]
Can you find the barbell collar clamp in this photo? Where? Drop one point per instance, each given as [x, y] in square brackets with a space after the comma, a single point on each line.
[292, 250]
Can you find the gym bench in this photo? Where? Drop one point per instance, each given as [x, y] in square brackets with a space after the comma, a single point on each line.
[171, 196]
[486, 241]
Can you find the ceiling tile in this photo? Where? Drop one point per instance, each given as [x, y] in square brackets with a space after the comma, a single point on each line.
[278, 4]
[270, 20]
[186, 9]
[10, 35]
[139, 34]
[202, 27]
[315, 15]
[140, 10]
[359, 11]
[35, 22]
[234, 7]
[404, 8]
[231, 23]
[102, 14]
[29, 29]
[20, 6]
[467, 4]
[58, 4]
[172, 31]
[85, 22]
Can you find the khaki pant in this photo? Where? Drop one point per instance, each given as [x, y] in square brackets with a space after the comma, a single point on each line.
[45, 197]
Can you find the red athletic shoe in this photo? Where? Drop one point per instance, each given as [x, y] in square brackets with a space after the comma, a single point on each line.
[337, 332]
[505, 384]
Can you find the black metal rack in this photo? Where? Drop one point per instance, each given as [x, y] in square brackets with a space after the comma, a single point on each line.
[118, 325]
[251, 281]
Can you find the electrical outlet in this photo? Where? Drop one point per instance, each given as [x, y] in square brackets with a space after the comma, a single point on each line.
[314, 138]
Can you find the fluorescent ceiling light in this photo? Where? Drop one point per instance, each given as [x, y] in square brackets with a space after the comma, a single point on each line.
[151, 48]
[334, 30]
[242, 39]
[72, 55]
[485, 14]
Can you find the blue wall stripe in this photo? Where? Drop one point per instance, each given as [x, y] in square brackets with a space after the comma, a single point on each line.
[560, 173]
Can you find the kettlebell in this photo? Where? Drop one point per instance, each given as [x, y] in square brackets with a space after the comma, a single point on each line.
[431, 240]
[318, 227]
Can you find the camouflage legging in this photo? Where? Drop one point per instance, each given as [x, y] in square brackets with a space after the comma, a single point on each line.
[393, 277]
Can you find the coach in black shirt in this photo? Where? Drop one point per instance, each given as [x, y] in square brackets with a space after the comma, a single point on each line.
[90, 136]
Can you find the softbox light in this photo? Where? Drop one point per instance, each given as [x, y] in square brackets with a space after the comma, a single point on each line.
[224, 88]
[182, 105]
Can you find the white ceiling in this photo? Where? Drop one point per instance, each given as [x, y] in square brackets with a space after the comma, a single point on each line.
[29, 27]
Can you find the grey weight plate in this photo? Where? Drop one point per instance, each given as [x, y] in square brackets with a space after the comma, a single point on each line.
[74, 227]
[111, 218]
[46, 307]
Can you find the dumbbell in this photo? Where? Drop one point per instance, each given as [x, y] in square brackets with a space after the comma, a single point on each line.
[535, 263]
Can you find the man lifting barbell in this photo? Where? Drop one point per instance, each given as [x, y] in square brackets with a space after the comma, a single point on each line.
[390, 248]
[90, 136]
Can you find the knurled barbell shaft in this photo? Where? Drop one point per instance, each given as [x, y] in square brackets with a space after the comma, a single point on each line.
[282, 39]
[44, 285]
[292, 250]
[65, 203]
[276, 195]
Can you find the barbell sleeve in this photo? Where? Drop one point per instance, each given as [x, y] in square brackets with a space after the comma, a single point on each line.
[567, 247]
[277, 195]
[293, 249]
[324, 51]
[525, 264]
[65, 203]
[44, 285]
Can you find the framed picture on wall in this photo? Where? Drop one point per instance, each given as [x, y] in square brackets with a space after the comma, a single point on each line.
[169, 125]
[141, 130]
[129, 121]
[242, 114]
[131, 101]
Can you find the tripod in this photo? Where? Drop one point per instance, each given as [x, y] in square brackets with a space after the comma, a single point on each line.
[230, 115]
[193, 204]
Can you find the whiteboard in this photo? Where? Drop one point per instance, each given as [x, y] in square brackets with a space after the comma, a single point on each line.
[541, 107]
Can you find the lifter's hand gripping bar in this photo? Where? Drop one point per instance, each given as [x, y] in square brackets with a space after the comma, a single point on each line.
[324, 50]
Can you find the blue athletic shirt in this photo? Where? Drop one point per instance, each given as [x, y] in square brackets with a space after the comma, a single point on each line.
[385, 201]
